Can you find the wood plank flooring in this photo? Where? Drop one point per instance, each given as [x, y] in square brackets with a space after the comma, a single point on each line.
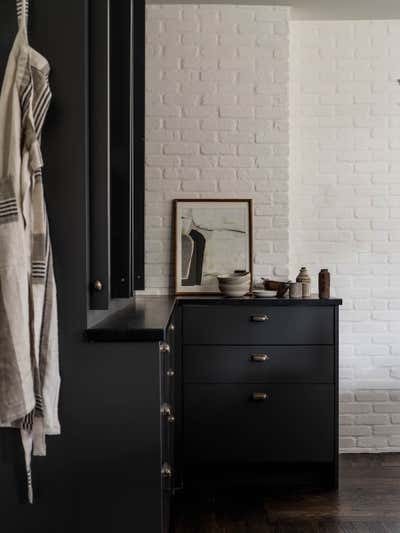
[368, 501]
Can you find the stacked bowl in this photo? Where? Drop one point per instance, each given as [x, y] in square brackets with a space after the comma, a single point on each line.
[235, 285]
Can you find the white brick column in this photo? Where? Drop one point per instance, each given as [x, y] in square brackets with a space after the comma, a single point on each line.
[217, 123]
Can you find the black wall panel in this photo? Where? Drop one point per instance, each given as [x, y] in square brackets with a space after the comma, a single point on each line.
[109, 405]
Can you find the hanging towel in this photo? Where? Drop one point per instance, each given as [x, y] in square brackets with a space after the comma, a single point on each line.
[29, 367]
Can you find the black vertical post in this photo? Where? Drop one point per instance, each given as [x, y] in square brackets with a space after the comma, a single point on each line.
[335, 476]
[139, 38]
[121, 147]
[127, 85]
[99, 108]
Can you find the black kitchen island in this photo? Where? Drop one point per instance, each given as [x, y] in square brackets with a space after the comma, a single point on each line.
[248, 388]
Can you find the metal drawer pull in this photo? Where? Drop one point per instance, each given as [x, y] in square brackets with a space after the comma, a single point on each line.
[170, 373]
[166, 409]
[97, 285]
[259, 358]
[166, 470]
[259, 396]
[164, 347]
[259, 318]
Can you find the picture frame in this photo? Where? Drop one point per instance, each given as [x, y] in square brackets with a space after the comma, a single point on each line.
[211, 237]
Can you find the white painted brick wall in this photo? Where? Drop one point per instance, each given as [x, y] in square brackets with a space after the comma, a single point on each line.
[217, 123]
[344, 201]
[218, 126]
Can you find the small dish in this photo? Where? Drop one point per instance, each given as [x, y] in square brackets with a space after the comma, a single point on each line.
[264, 294]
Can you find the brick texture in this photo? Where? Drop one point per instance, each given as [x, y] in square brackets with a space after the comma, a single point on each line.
[344, 207]
[217, 123]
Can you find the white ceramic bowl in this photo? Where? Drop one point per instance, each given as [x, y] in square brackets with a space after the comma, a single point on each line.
[234, 279]
[234, 287]
[234, 283]
[235, 293]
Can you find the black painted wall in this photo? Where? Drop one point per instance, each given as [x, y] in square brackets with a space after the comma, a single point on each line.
[104, 468]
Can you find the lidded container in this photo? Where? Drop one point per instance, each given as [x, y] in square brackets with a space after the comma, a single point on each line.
[305, 280]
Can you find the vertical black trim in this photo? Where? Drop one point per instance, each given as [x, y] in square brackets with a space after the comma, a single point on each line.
[121, 148]
[139, 33]
[99, 155]
[335, 473]
[178, 320]
[117, 148]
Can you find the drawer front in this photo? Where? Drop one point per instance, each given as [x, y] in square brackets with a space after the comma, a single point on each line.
[257, 324]
[260, 364]
[224, 424]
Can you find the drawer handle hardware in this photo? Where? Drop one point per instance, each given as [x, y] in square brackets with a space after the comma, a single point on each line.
[165, 348]
[259, 318]
[166, 409]
[97, 285]
[170, 373]
[171, 419]
[172, 327]
[259, 358]
[259, 396]
[166, 470]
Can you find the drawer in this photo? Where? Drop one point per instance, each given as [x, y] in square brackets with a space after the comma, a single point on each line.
[260, 364]
[257, 324]
[224, 424]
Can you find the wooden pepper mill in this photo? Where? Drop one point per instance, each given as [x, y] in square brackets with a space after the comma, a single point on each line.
[324, 284]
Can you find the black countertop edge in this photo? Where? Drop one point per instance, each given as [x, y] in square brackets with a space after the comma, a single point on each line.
[312, 300]
[146, 319]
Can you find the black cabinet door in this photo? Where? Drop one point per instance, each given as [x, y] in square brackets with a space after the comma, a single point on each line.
[127, 94]
[116, 105]
[258, 423]
[99, 148]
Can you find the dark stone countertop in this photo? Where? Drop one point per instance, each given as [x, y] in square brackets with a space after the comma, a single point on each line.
[146, 319]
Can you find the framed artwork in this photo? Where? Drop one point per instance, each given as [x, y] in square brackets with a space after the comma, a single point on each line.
[212, 237]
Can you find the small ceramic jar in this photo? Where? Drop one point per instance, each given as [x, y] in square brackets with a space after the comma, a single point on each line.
[324, 283]
[304, 278]
[296, 290]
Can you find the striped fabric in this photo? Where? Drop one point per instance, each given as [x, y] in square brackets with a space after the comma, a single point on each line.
[22, 10]
[39, 269]
[29, 380]
[8, 210]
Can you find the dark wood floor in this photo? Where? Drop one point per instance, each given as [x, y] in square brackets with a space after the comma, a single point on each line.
[368, 501]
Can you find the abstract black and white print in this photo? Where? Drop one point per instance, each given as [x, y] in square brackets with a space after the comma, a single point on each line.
[212, 238]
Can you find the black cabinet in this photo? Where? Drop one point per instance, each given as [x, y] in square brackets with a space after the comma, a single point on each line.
[248, 391]
[260, 386]
[116, 163]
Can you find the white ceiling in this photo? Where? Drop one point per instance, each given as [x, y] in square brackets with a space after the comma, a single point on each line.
[318, 9]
